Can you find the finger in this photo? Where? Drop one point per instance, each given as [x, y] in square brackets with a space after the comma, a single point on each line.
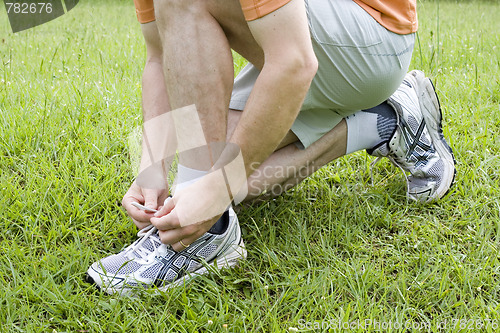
[188, 235]
[167, 207]
[151, 198]
[161, 200]
[141, 225]
[184, 243]
[136, 214]
[174, 237]
[167, 222]
[178, 247]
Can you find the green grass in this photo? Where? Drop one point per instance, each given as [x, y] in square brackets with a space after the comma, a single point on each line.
[334, 248]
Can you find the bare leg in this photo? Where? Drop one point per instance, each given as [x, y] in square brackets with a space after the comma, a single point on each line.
[289, 165]
[198, 69]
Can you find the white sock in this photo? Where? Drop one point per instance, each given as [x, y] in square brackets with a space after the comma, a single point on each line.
[369, 128]
[186, 176]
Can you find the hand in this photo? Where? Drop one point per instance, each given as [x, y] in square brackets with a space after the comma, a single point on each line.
[151, 198]
[191, 212]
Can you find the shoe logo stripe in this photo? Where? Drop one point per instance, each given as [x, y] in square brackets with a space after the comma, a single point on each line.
[168, 264]
[413, 141]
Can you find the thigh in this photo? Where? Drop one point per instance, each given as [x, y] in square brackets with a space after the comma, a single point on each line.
[230, 16]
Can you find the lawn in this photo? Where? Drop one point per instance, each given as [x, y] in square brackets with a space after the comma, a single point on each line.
[336, 252]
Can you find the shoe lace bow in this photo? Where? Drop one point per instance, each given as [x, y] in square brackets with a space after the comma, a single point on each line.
[147, 244]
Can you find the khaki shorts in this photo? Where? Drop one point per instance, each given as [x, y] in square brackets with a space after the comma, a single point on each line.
[360, 65]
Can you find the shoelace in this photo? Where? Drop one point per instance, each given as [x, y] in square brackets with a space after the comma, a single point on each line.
[144, 235]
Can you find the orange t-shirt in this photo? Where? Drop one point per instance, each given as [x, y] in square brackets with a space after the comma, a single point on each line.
[399, 16]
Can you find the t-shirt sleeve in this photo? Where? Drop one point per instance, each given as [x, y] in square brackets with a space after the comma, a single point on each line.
[145, 10]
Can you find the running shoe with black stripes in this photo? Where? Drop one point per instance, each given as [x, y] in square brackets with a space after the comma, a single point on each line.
[418, 146]
[150, 264]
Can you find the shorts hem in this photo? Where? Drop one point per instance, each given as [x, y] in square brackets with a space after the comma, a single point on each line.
[238, 105]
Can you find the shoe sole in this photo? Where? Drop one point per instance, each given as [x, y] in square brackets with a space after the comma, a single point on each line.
[432, 114]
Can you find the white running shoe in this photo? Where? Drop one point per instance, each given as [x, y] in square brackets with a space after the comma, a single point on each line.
[148, 262]
[418, 145]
